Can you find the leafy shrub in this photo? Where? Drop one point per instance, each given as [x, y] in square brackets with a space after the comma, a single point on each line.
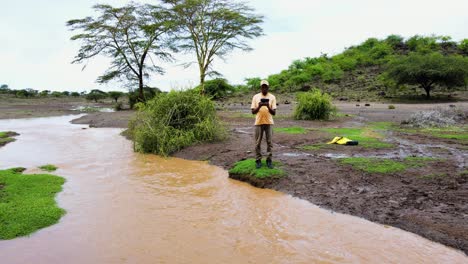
[148, 93]
[345, 62]
[314, 105]
[391, 107]
[175, 120]
[118, 106]
[464, 46]
[217, 88]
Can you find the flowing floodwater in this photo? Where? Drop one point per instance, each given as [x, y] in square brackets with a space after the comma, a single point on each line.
[124, 207]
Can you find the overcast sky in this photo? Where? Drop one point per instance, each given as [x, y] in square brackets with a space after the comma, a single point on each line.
[36, 50]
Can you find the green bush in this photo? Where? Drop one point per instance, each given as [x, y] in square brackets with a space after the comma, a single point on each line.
[217, 88]
[148, 93]
[314, 105]
[175, 120]
[463, 46]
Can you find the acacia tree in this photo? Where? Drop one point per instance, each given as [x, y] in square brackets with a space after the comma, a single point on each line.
[213, 28]
[115, 95]
[131, 35]
[429, 70]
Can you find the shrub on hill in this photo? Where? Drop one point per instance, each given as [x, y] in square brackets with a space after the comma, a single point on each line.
[172, 121]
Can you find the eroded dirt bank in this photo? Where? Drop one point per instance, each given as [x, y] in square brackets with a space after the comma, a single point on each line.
[436, 208]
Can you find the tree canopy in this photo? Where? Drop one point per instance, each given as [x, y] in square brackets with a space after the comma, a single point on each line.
[130, 35]
[429, 70]
[214, 28]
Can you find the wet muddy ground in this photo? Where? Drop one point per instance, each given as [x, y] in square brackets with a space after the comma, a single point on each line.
[434, 207]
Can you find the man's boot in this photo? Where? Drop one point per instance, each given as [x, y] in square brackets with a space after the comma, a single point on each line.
[269, 164]
[258, 164]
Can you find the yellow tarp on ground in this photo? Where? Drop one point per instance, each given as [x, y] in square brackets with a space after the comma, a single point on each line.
[340, 141]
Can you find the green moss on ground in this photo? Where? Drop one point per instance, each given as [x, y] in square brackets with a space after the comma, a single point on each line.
[6, 137]
[247, 167]
[382, 165]
[27, 202]
[368, 137]
[48, 167]
[290, 130]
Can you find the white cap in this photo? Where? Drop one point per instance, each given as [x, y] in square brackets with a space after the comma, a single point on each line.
[264, 82]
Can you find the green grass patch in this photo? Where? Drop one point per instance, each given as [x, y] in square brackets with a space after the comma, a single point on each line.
[381, 125]
[27, 202]
[290, 130]
[375, 165]
[48, 167]
[367, 137]
[6, 137]
[247, 167]
[381, 165]
[456, 133]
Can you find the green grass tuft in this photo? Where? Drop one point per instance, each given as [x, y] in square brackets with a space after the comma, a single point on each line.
[381, 165]
[290, 130]
[375, 165]
[27, 203]
[247, 167]
[48, 167]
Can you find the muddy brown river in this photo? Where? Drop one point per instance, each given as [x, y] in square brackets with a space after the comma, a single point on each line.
[124, 207]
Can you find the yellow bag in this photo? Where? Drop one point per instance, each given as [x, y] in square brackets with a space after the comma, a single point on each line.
[343, 141]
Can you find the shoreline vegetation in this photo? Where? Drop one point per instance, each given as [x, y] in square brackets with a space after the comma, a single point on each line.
[27, 202]
[7, 137]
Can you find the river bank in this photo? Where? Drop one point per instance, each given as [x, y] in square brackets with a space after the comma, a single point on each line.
[416, 200]
[124, 206]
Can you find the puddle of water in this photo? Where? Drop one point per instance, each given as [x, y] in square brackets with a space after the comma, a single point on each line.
[124, 207]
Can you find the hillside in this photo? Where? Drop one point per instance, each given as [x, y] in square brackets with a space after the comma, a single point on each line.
[359, 71]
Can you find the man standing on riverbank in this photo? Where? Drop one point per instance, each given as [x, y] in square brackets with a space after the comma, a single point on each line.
[264, 107]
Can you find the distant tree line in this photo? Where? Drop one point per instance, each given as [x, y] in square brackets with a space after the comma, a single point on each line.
[93, 95]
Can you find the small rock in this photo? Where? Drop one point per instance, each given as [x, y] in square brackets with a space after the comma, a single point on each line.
[358, 105]
[367, 105]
